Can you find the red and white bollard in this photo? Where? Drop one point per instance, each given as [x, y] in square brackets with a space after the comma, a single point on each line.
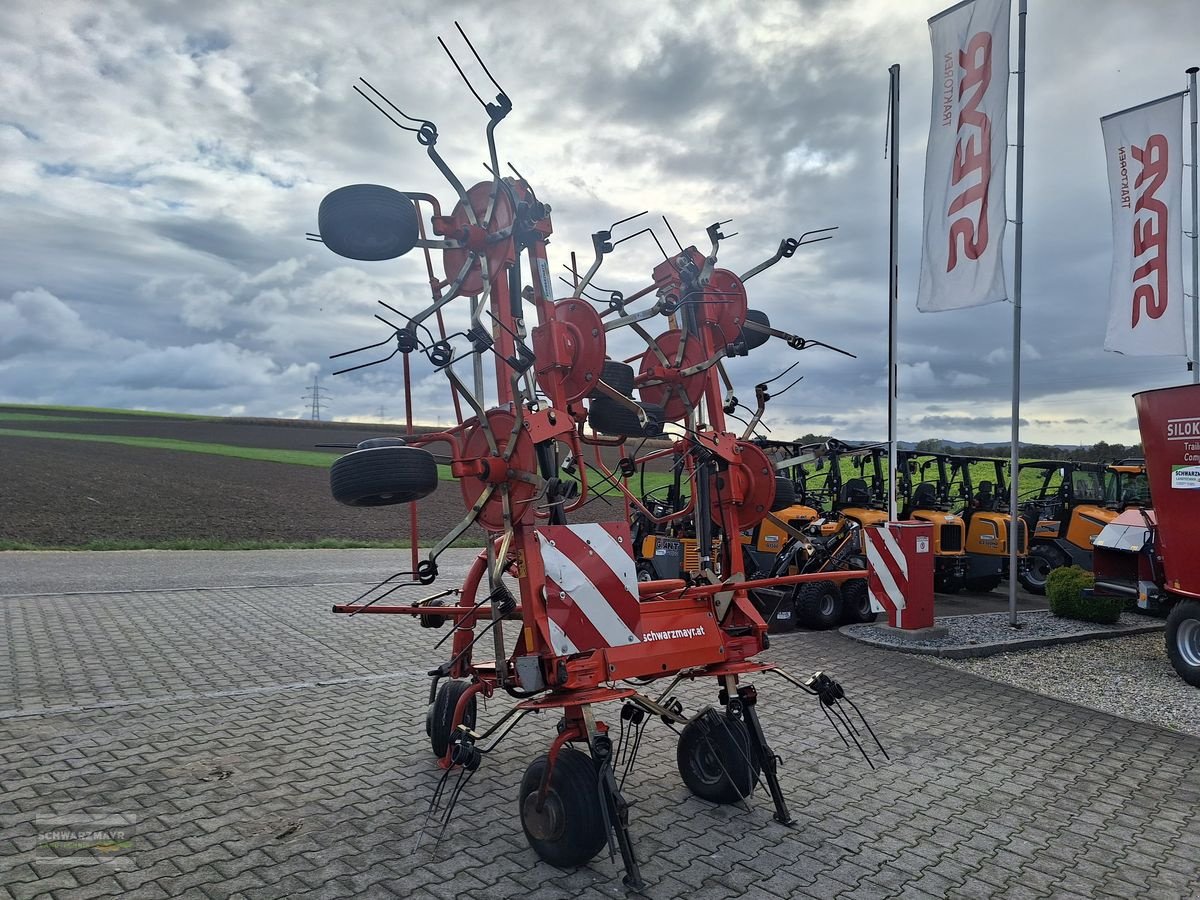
[900, 562]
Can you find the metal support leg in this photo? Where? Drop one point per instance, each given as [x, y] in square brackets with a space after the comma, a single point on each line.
[767, 760]
[616, 808]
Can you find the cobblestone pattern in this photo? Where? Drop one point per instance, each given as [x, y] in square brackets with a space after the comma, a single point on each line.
[319, 790]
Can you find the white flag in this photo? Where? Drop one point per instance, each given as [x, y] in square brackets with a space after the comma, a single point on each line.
[1144, 149]
[962, 260]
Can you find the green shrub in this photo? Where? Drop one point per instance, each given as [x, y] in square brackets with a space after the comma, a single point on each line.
[1065, 589]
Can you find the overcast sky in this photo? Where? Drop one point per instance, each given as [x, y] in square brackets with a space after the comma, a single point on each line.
[160, 164]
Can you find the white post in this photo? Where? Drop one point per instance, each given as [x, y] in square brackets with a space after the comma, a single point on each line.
[893, 283]
[1014, 512]
[1195, 238]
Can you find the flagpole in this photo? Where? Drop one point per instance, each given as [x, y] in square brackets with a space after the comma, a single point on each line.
[1014, 461]
[893, 281]
[1195, 238]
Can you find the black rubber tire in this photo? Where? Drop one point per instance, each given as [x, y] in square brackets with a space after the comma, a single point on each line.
[440, 721]
[1043, 559]
[371, 443]
[750, 337]
[645, 572]
[947, 584]
[609, 417]
[856, 603]
[819, 605]
[368, 222]
[785, 494]
[571, 829]
[715, 759]
[1183, 640]
[382, 476]
[983, 584]
[618, 376]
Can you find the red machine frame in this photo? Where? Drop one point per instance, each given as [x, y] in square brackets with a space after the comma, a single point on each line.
[515, 459]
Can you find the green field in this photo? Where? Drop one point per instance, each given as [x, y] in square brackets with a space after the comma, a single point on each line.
[111, 412]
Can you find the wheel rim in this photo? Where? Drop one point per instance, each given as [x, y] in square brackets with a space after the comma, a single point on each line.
[1187, 641]
[708, 765]
[1039, 570]
[548, 823]
[827, 605]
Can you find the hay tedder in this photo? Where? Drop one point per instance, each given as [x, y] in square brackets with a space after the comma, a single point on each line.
[541, 413]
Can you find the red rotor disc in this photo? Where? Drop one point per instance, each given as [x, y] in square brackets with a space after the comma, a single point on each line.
[498, 254]
[579, 358]
[523, 461]
[724, 305]
[753, 479]
[673, 387]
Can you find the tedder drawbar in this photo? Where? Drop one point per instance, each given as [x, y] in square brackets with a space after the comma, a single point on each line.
[589, 631]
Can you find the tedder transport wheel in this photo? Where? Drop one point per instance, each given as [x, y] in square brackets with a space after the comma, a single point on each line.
[609, 417]
[440, 719]
[750, 336]
[368, 222]
[1043, 559]
[1183, 640]
[381, 476]
[785, 494]
[818, 605]
[856, 603]
[715, 758]
[570, 827]
[983, 584]
[618, 376]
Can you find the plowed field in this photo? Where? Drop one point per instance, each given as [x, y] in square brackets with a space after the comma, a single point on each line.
[57, 492]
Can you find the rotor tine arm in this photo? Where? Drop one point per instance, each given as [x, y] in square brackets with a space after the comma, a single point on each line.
[476, 406]
[458, 530]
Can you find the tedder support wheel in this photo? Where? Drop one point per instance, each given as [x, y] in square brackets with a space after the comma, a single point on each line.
[1043, 559]
[715, 758]
[818, 605]
[856, 603]
[440, 721]
[1183, 640]
[570, 828]
[381, 476]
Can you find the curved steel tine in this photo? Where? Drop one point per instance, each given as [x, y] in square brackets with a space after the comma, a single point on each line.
[366, 364]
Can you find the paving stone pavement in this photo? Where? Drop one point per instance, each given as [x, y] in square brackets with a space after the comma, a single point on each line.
[259, 746]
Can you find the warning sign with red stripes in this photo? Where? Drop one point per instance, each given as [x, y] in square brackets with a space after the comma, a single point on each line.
[591, 586]
[901, 572]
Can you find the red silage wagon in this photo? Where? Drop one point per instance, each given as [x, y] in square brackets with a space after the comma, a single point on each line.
[1154, 554]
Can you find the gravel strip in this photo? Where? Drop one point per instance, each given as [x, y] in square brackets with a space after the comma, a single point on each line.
[1128, 676]
[975, 635]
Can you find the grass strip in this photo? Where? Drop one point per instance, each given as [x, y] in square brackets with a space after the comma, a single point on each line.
[317, 458]
[40, 417]
[110, 411]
